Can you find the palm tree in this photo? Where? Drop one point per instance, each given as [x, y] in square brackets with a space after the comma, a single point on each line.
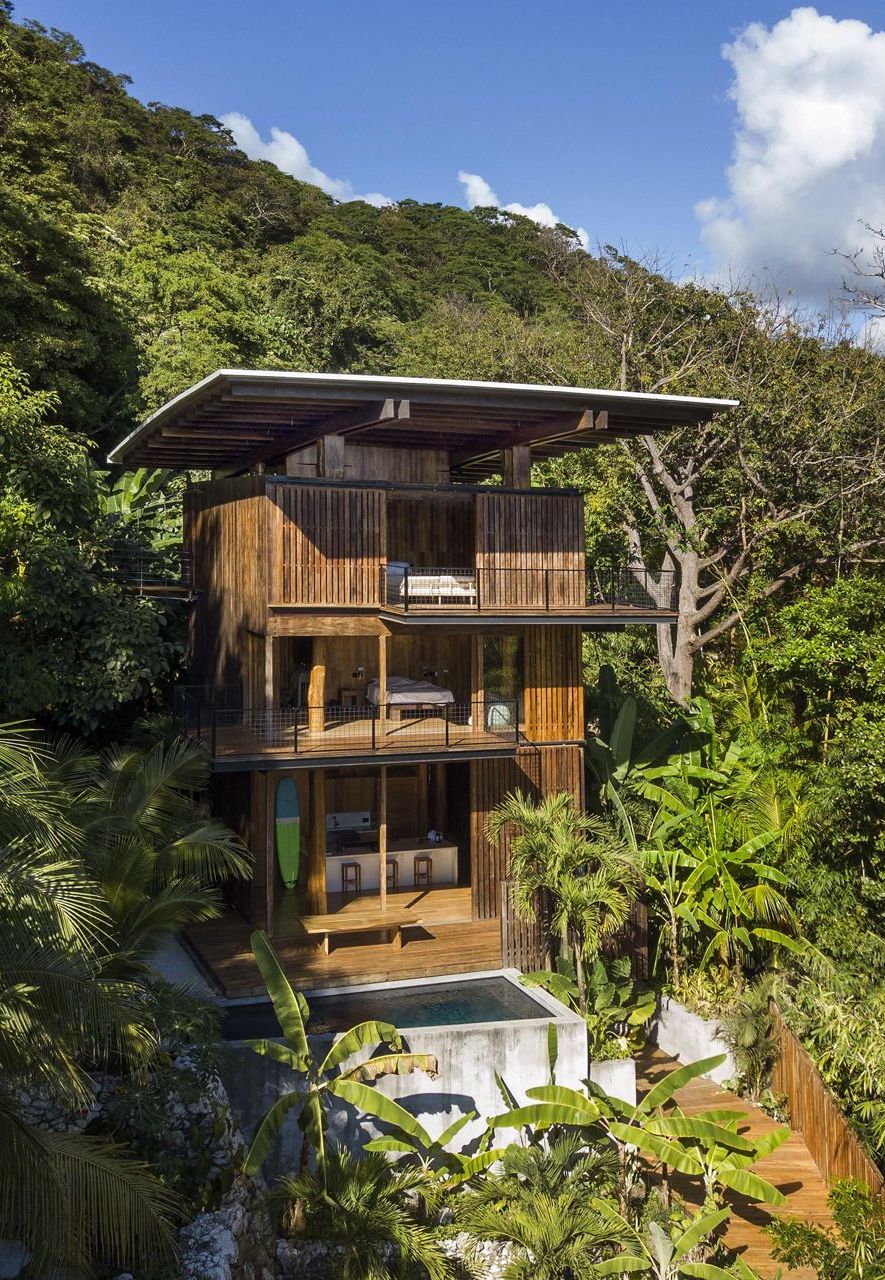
[577, 863]
[72, 1201]
[157, 856]
[371, 1209]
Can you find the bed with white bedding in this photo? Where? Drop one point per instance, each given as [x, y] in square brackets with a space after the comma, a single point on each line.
[406, 585]
[403, 692]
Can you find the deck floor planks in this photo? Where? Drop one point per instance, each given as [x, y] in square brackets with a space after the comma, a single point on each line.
[448, 941]
[791, 1169]
[355, 737]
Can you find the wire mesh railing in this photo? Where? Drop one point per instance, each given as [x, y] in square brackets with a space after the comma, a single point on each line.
[331, 729]
[151, 568]
[546, 589]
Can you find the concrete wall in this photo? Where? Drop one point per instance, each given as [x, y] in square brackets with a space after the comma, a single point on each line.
[617, 1076]
[689, 1038]
[468, 1056]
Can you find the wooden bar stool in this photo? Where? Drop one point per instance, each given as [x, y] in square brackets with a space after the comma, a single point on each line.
[423, 873]
[392, 876]
[351, 877]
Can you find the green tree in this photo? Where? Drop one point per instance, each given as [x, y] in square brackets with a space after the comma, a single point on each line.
[854, 1251]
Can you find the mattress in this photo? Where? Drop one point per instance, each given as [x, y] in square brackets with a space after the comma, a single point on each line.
[440, 586]
[401, 691]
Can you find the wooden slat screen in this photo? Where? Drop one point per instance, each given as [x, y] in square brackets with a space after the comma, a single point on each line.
[834, 1146]
[554, 688]
[530, 550]
[326, 544]
[522, 941]
[632, 941]
[534, 771]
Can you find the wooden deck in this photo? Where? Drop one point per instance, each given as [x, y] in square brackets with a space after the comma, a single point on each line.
[447, 941]
[415, 736]
[791, 1169]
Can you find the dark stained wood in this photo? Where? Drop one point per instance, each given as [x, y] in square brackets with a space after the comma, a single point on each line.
[327, 543]
[519, 538]
[518, 466]
[316, 846]
[554, 690]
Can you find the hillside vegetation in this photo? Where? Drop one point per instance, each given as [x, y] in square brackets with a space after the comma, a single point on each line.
[140, 250]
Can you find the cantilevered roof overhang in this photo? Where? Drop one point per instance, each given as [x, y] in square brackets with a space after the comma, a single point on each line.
[237, 418]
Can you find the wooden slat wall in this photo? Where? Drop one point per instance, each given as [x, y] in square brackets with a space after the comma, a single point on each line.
[535, 772]
[430, 532]
[326, 544]
[554, 690]
[632, 941]
[376, 462]
[522, 945]
[227, 537]
[833, 1144]
[531, 533]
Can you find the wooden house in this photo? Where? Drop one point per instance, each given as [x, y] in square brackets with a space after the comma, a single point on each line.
[385, 629]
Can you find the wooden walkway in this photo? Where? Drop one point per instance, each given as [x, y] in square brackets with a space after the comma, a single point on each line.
[791, 1169]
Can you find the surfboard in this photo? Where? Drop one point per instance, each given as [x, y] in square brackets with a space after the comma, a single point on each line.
[287, 831]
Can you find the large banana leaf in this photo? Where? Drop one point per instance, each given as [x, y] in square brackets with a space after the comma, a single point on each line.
[279, 1052]
[393, 1064]
[699, 1230]
[269, 1128]
[622, 738]
[703, 1131]
[750, 1185]
[540, 1115]
[564, 1097]
[375, 1103]
[625, 1264]
[662, 1149]
[705, 1271]
[448, 1135]
[663, 1091]
[289, 1006]
[364, 1033]
[470, 1166]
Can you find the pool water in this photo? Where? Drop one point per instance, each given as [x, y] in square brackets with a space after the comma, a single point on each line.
[435, 1005]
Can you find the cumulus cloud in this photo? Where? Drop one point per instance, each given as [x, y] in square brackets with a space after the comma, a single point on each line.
[808, 167]
[287, 153]
[478, 193]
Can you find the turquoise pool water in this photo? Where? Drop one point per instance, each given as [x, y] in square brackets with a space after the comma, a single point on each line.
[444, 1004]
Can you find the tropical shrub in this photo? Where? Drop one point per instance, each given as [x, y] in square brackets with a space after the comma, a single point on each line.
[748, 1031]
[616, 1013]
[855, 1250]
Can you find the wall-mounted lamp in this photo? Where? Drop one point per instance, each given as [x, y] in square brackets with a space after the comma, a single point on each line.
[359, 674]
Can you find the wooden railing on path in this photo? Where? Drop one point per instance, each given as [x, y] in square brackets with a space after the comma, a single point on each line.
[814, 1112]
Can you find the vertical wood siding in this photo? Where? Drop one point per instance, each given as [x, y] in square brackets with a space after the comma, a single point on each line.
[530, 534]
[536, 772]
[326, 544]
[834, 1146]
[554, 691]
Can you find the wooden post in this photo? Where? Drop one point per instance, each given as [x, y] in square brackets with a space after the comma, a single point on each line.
[316, 866]
[382, 837]
[269, 841]
[518, 467]
[316, 689]
[382, 683]
[422, 800]
[440, 798]
[477, 694]
[330, 457]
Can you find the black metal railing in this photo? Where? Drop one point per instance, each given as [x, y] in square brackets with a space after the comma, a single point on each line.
[526, 589]
[151, 568]
[330, 729]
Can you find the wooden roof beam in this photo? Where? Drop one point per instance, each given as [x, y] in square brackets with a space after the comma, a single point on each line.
[558, 428]
[360, 418]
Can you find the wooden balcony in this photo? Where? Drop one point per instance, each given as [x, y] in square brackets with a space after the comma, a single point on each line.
[316, 735]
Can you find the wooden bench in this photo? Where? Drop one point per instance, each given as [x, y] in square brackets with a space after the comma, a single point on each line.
[390, 923]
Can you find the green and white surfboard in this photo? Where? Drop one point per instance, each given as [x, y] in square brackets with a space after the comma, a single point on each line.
[287, 831]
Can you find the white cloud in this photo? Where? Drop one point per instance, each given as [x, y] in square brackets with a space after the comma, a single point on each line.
[478, 193]
[287, 153]
[808, 164]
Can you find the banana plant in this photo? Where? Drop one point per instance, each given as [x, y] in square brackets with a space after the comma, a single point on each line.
[331, 1077]
[667, 1255]
[615, 1011]
[410, 1140]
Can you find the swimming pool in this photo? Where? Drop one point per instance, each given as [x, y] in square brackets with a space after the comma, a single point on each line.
[443, 1004]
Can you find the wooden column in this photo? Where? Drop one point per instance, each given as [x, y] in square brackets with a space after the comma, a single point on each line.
[268, 780]
[382, 837]
[422, 800]
[316, 865]
[316, 689]
[270, 675]
[477, 696]
[330, 457]
[440, 798]
[518, 467]
[382, 683]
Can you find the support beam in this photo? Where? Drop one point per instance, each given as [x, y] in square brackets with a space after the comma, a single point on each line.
[558, 428]
[518, 467]
[316, 689]
[477, 694]
[284, 438]
[330, 457]
[316, 858]
[382, 837]
[440, 798]
[382, 684]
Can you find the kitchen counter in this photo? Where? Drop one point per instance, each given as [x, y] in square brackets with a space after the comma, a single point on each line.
[403, 852]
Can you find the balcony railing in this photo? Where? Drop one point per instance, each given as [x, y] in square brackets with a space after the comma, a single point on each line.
[152, 570]
[231, 732]
[513, 590]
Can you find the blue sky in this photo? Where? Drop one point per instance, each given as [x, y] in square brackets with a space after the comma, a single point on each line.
[617, 114]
